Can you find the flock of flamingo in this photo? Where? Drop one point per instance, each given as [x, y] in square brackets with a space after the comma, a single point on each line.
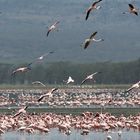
[70, 97]
[22, 120]
[85, 122]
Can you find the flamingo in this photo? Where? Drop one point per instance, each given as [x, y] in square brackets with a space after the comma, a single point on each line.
[52, 27]
[88, 41]
[92, 7]
[136, 85]
[91, 76]
[20, 111]
[38, 82]
[44, 55]
[22, 69]
[47, 94]
[132, 10]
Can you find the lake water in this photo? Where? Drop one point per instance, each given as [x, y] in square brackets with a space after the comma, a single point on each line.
[54, 134]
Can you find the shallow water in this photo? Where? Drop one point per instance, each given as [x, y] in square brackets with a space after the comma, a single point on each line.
[54, 134]
[77, 111]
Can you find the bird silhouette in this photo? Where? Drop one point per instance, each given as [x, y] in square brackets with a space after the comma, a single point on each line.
[132, 10]
[88, 41]
[136, 85]
[22, 69]
[52, 27]
[70, 80]
[38, 82]
[20, 111]
[92, 7]
[89, 77]
[47, 94]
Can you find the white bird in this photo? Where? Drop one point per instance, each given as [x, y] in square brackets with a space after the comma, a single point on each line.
[20, 111]
[109, 137]
[44, 55]
[136, 85]
[70, 80]
[90, 39]
[52, 27]
[92, 7]
[38, 82]
[89, 77]
[47, 94]
[119, 133]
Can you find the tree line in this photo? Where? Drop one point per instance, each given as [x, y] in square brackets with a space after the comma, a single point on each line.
[57, 72]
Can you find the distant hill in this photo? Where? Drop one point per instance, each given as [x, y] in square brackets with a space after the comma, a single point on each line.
[23, 27]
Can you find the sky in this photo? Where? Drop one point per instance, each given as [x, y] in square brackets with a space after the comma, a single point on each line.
[24, 24]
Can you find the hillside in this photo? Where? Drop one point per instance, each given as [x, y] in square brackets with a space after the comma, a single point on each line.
[23, 27]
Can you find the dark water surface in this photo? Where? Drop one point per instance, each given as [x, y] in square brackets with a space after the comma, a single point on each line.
[117, 111]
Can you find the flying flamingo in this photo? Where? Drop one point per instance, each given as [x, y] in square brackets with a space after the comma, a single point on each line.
[40, 58]
[20, 111]
[92, 7]
[132, 10]
[88, 41]
[47, 94]
[22, 69]
[44, 55]
[52, 27]
[89, 77]
[136, 85]
[38, 82]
